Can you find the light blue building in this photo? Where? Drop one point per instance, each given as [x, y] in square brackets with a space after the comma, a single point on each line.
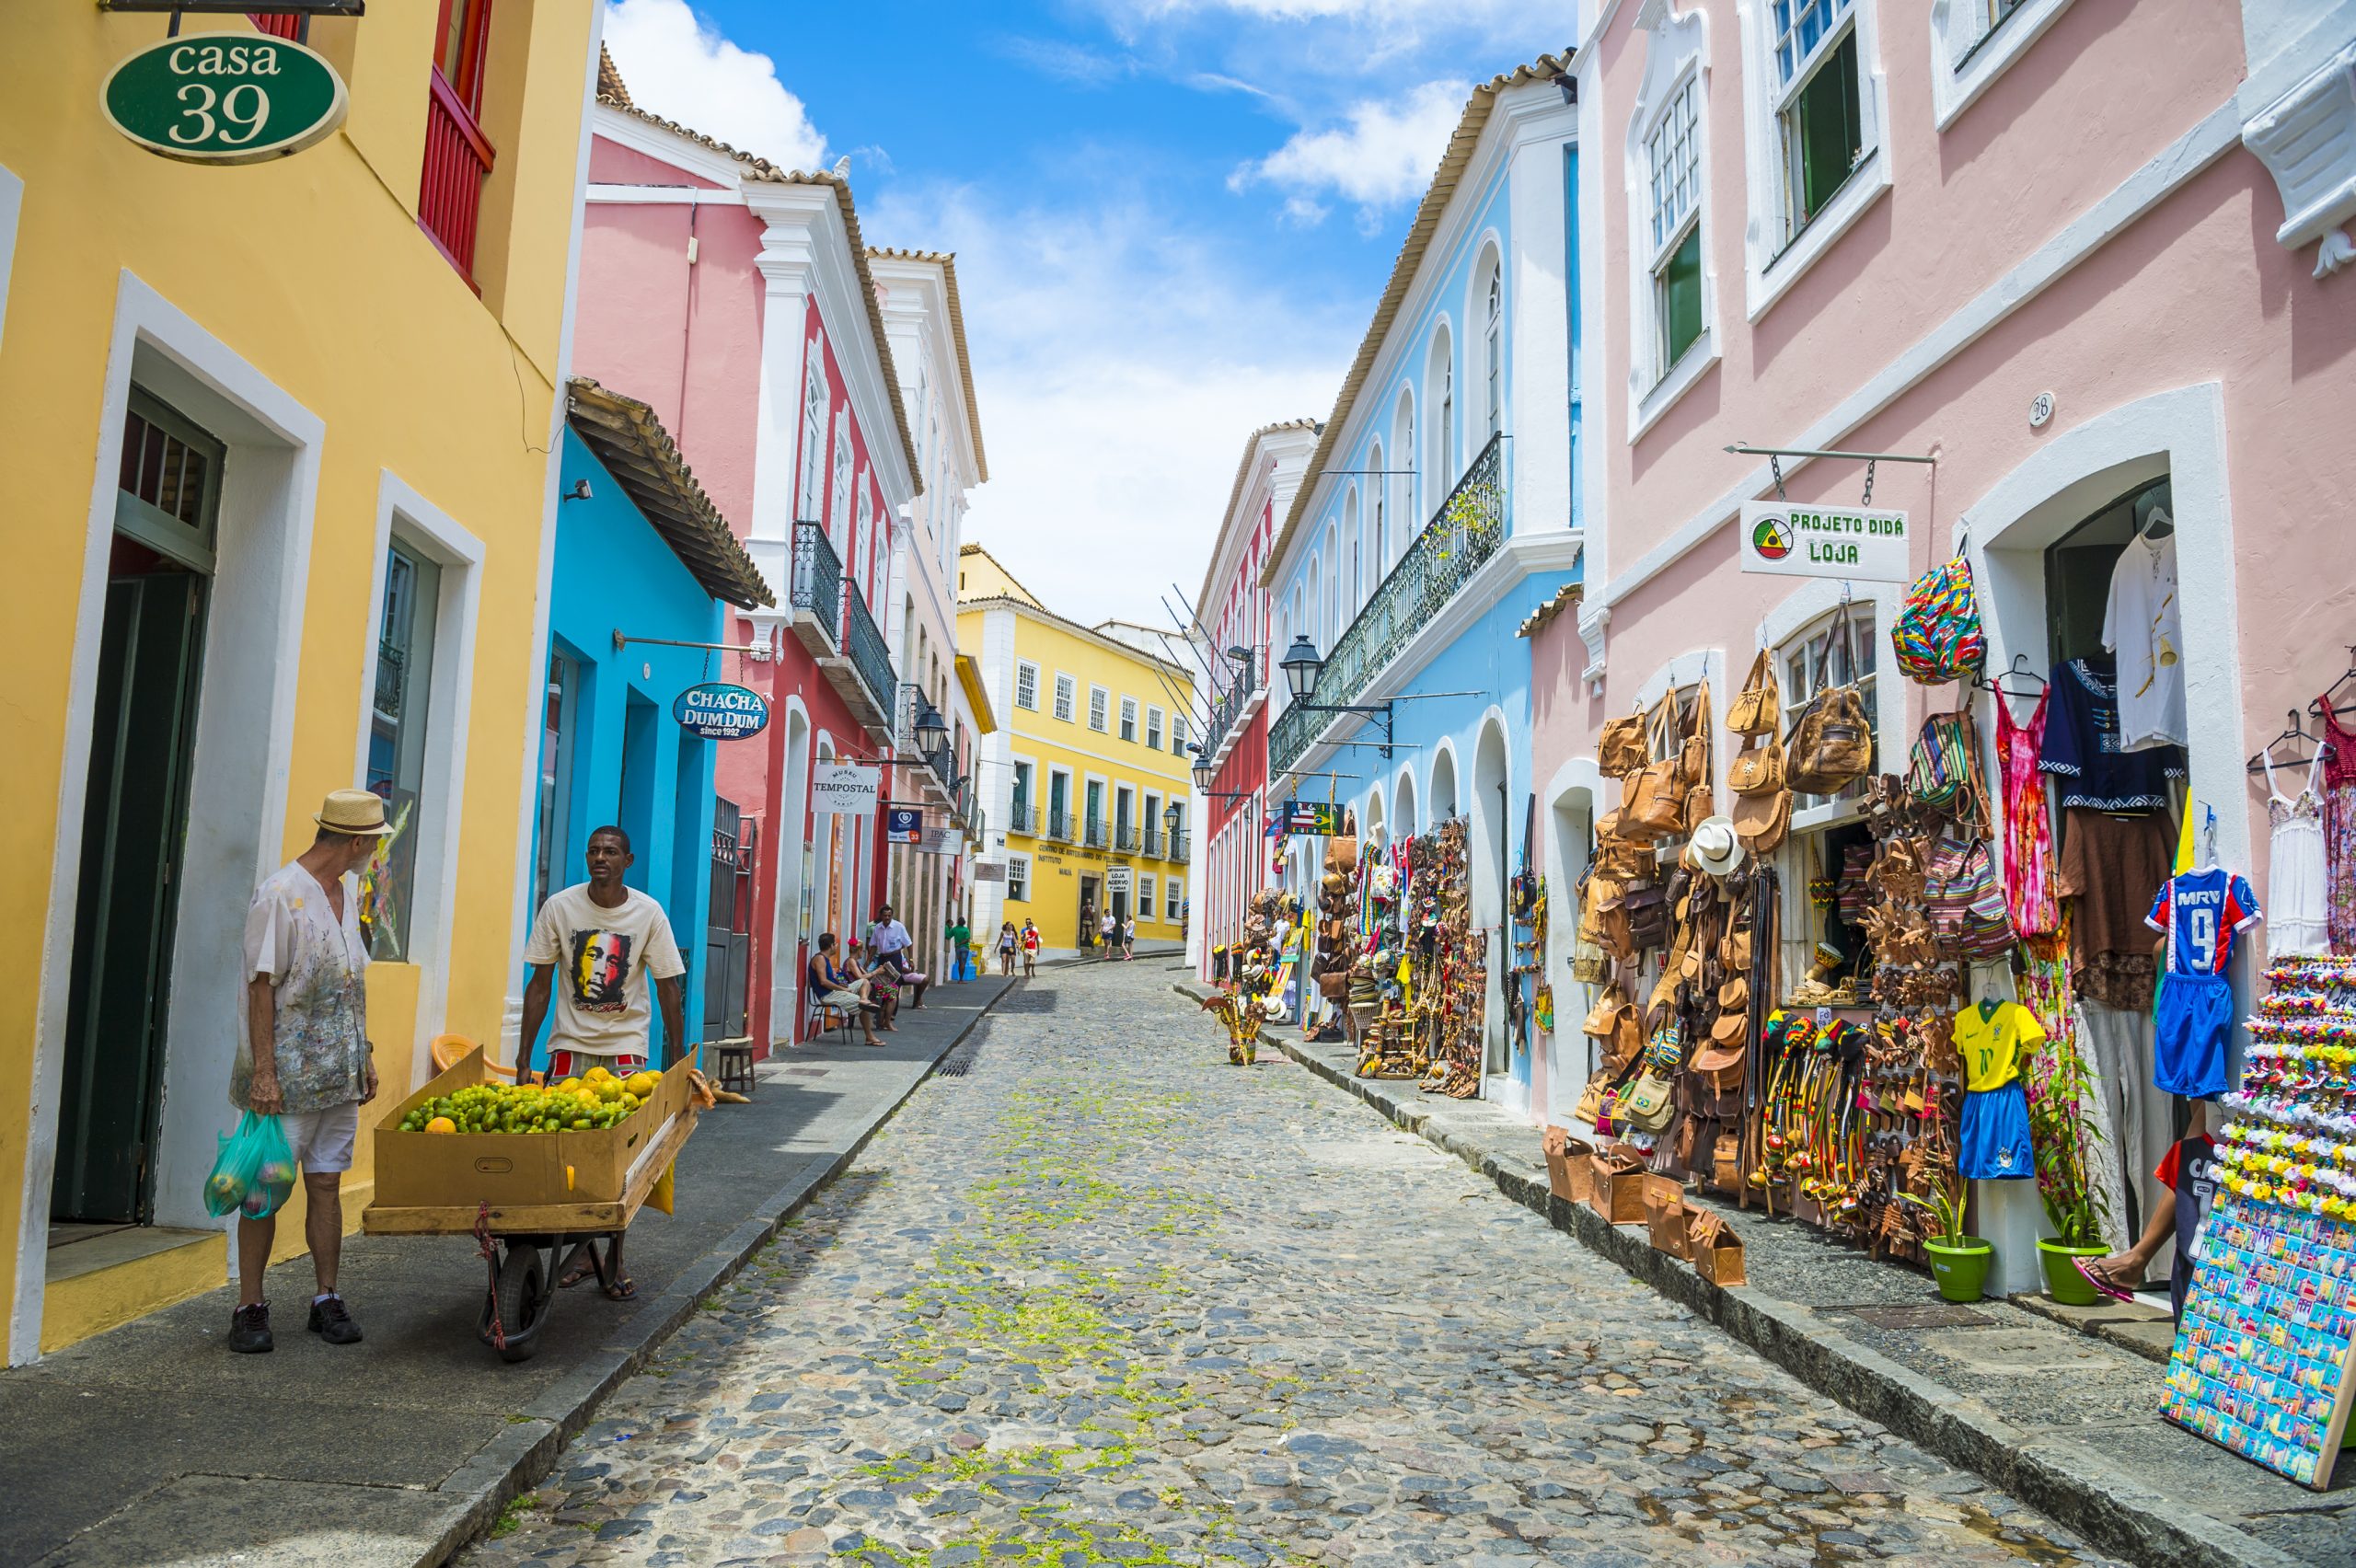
[1439, 511]
[641, 555]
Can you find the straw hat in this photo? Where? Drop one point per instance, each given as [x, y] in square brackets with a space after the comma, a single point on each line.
[1714, 848]
[357, 814]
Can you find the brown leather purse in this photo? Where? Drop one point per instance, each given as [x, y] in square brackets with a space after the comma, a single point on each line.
[1619, 749]
[1657, 799]
[1758, 707]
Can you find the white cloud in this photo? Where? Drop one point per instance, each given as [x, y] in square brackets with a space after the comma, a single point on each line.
[1120, 360]
[1383, 152]
[678, 65]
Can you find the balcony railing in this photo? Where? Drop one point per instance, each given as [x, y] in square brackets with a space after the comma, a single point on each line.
[1464, 533]
[1023, 818]
[1153, 844]
[1059, 827]
[1126, 839]
[869, 654]
[1097, 835]
[1228, 708]
[818, 578]
[457, 159]
[1182, 846]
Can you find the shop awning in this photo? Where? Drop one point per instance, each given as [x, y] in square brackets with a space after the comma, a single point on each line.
[635, 448]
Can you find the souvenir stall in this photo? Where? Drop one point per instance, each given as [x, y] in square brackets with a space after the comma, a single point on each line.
[1381, 972]
[1447, 963]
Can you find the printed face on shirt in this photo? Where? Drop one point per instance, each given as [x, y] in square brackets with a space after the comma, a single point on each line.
[600, 964]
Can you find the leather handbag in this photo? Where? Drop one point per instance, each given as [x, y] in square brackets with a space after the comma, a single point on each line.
[1697, 740]
[1756, 771]
[1647, 912]
[1645, 1105]
[1831, 743]
[1590, 1103]
[1761, 821]
[1758, 708]
[1619, 749]
[1657, 799]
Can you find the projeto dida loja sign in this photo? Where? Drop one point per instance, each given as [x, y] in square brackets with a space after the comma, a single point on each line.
[1840, 543]
[224, 97]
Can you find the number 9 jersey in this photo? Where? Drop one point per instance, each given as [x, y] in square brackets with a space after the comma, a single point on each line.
[2201, 912]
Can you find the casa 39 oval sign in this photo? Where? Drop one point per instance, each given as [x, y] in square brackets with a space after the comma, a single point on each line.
[720, 711]
[224, 97]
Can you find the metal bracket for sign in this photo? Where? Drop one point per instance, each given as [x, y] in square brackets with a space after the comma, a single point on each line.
[759, 653]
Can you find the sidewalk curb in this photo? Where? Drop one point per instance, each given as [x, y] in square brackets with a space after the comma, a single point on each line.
[526, 1454]
[2067, 1480]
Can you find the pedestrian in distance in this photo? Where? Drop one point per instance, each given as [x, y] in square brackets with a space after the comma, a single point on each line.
[890, 942]
[1108, 933]
[1030, 950]
[1087, 923]
[1129, 938]
[960, 948]
[841, 989]
[1006, 945]
[305, 1057]
[610, 938]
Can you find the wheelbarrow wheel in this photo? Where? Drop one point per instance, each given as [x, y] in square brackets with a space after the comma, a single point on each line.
[522, 1298]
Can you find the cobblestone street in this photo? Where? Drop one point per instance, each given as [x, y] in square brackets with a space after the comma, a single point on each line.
[1107, 1299]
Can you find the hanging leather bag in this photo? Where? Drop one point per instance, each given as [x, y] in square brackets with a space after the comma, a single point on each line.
[1756, 771]
[1619, 749]
[1761, 821]
[1697, 755]
[1656, 800]
[1832, 743]
[1758, 708]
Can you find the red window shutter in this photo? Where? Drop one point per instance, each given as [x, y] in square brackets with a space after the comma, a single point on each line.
[458, 155]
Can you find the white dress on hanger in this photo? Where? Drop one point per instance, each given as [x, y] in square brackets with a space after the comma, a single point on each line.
[2296, 878]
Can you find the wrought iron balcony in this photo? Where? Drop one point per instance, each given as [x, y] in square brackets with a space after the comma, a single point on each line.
[1023, 818]
[1182, 846]
[1153, 843]
[869, 655]
[1059, 827]
[817, 589]
[1126, 839]
[1097, 835]
[1227, 711]
[1464, 533]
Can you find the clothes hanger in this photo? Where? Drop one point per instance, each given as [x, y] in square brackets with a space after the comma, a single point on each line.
[2295, 732]
[2018, 671]
[2316, 707]
[2156, 524]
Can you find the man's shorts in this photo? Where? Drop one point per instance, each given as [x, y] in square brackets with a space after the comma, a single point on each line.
[322, 1140]
[1993, 1143]
[564, 1063]
[2192, 1023]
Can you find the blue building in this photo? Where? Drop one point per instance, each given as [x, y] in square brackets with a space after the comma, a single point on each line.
[643, 564]
[1439, 509]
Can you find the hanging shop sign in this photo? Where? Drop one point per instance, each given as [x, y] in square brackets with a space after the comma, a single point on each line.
[1116, 878]
[1321, 817]
[224, 97]
[903, 825]
[1839, 543]
[989, 871]
[843, 788]
[937, 841]
[718, 710]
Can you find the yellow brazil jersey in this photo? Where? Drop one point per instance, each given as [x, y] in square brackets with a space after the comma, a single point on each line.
[1991, 1036]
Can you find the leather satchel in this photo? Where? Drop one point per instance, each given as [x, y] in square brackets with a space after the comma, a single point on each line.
[1657, 799]
[1761, 821]
[1620, 750]
[1756, 771]
[1697, 740]
[1832, 743]
[1758, 708]
[1647, 912]
[1645, 1105]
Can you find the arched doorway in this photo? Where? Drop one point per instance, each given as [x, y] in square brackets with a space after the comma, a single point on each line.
[1488, 853]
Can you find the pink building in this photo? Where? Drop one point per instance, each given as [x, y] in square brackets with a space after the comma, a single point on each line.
[735, 298]
[2083, 256]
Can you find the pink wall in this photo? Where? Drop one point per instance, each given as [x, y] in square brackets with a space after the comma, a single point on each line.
[2197, 290]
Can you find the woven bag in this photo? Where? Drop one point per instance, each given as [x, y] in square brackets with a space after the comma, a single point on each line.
[1937, 636]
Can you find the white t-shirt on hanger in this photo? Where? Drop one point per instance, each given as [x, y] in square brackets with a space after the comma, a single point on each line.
[2143, 624]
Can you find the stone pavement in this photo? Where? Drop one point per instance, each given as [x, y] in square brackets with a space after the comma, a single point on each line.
[2058, 1406]
[1107, 1300]
[153, 1443]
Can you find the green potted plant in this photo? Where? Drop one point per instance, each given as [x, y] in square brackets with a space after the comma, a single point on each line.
[1958, 1263]
[2061, 1137]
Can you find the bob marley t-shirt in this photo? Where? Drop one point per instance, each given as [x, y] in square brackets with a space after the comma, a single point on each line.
[602, 957]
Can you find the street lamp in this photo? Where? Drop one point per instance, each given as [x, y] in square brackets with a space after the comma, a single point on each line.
[1302, 665]
[1173, 817]
[1204, 774]
[930, 725]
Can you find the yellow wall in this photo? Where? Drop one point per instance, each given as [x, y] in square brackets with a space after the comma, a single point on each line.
[1039, 737]
[311, 270]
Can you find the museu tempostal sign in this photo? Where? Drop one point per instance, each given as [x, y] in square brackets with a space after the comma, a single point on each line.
[224, 97]
[1843, 544]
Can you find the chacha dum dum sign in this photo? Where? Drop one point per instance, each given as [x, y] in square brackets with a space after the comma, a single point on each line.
[720, 711]
[224, 97]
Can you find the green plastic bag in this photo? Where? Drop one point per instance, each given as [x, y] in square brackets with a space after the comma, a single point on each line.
[253, 1174]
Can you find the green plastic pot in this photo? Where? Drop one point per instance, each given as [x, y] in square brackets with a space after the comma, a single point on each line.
[2064, 1283]
[1961, 1272]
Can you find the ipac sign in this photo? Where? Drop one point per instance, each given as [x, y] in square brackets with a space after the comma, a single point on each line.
[718, 710]
[224, 97]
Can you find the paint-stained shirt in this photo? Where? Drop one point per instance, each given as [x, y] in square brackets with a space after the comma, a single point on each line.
[314, 962]
[603, 957]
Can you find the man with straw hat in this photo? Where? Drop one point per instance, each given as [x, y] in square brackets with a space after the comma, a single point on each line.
[305, 1056]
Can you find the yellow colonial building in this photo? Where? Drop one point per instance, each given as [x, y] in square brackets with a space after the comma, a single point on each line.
[279, 517]
[1087, 792]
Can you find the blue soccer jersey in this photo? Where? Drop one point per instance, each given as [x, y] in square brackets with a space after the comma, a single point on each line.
[2201, 912]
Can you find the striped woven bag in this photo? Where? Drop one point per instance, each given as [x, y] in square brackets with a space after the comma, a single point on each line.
[1937, 638]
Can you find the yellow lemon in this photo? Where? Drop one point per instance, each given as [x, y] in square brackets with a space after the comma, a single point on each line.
[441, 1125]
[597, 1075]
[568, 1086]
[643, 1083]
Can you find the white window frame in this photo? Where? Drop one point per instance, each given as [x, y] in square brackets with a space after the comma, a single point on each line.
[1153, 716]
[863, 540]
[1146, 905]
[810, 506]
[1676, 56]
[1026, 677]
[1017, 877]
[1969, 52]
[1177, 734]
[1067, 697]
[1771, 264]
[838, 513]
[1073, 806]
[1173, 893]
[1491, 306]
[1024, 771]
[1129, 719]
[1099, 708]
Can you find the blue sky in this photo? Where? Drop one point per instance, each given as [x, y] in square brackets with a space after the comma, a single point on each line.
[1172, 218]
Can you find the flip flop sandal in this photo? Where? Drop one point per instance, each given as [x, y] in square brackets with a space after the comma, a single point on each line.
[2100, 1279]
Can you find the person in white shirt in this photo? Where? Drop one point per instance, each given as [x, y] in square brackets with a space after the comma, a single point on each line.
[888, 942]
[1108, 932]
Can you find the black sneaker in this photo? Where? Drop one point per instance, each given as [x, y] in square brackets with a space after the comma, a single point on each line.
[249, 1330]
[332, 1324]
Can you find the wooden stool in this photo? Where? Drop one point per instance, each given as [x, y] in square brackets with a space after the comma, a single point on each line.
[733, 1062]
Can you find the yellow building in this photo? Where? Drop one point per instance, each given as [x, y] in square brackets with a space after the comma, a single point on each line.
[1085, 782]
[279, 516]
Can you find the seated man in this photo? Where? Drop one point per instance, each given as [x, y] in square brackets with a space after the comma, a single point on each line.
[890, 942]
[839, 988]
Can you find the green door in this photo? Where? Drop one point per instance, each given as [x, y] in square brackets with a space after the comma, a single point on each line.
[134, 818]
